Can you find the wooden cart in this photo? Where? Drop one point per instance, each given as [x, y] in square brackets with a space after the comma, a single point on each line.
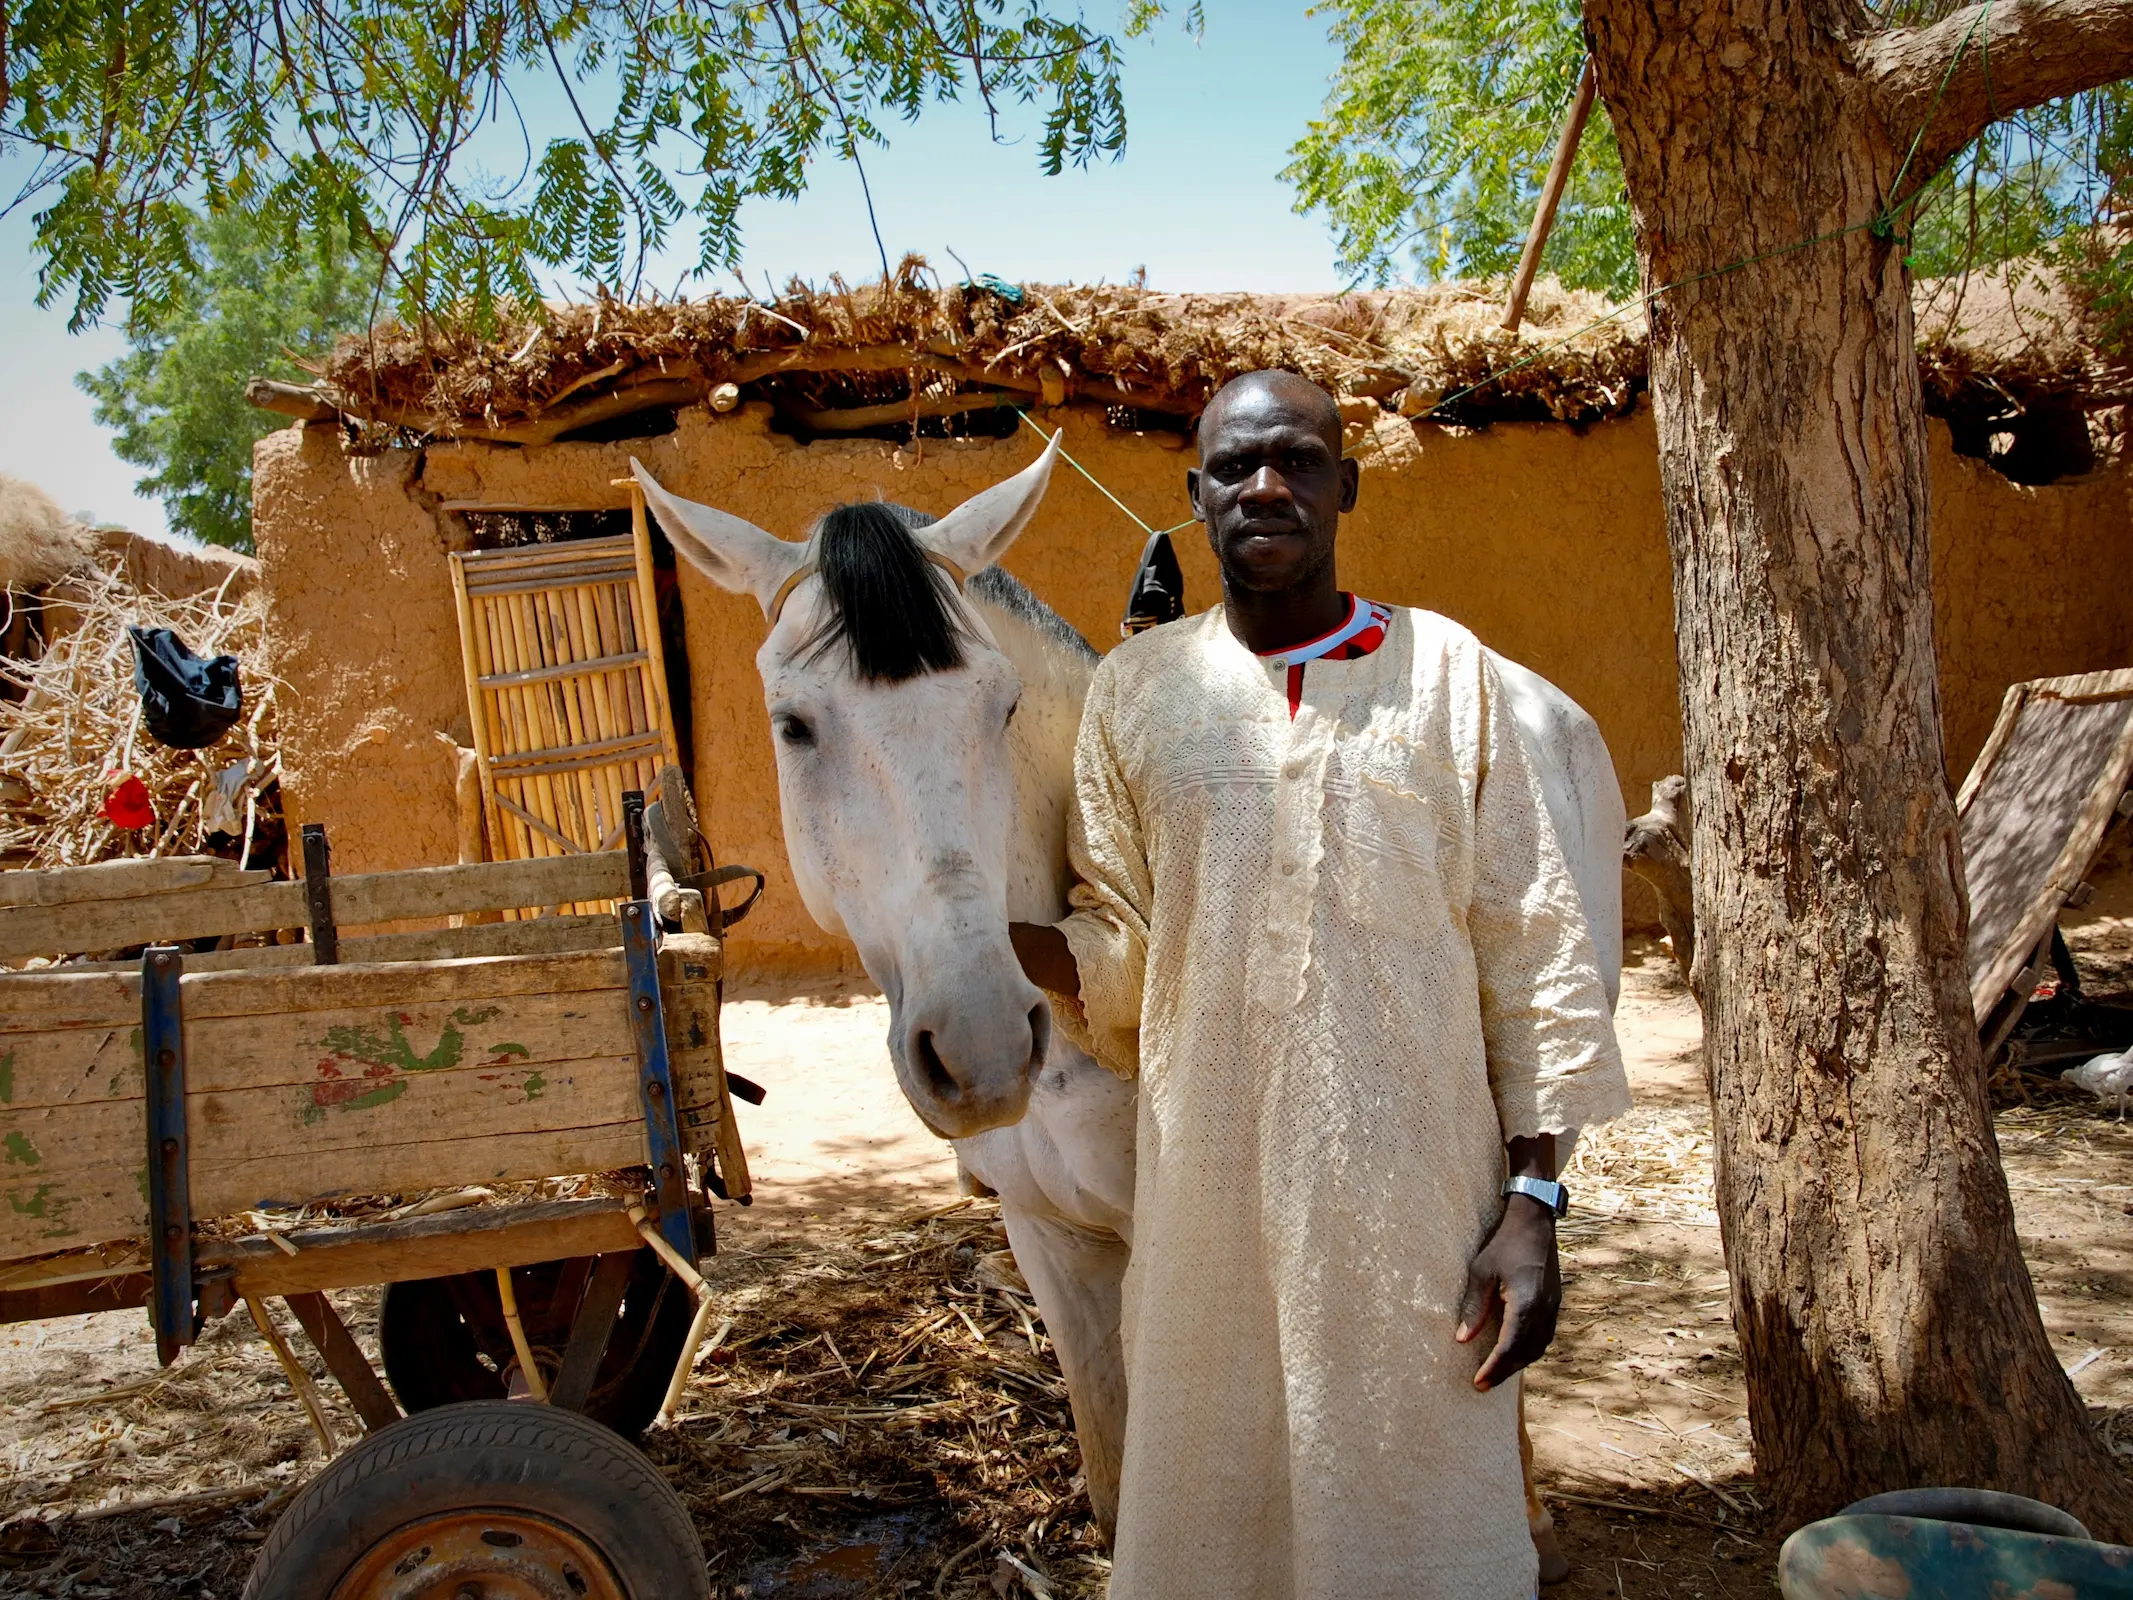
[156, 1114]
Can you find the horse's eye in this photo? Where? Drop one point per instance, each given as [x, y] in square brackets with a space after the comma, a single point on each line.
[795, 730]
[1011, 710]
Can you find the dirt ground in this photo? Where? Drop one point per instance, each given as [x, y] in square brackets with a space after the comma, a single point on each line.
[883, 1416]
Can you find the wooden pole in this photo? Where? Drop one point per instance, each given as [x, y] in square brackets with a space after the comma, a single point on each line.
[1566, 152]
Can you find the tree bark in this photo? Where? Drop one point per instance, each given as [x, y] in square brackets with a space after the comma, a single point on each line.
[1885, 1315]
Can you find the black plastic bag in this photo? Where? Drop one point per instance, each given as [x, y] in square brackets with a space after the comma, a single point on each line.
[1158, 594]
[187, 703]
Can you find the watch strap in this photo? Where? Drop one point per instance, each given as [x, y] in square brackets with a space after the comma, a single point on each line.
[1549, 1193]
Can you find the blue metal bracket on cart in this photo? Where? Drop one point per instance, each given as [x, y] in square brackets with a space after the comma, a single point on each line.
[170, 1205]
[655, 1079]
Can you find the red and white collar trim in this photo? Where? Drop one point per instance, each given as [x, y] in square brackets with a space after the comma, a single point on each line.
[1362, 615]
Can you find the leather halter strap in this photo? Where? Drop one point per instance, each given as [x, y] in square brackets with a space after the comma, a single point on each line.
[809, 567]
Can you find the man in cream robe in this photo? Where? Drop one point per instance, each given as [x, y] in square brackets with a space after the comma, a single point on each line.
[1323, 916]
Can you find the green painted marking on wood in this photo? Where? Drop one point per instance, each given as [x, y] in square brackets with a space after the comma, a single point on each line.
[35, 1206]
[534, 1085]
[20, 1152]
[7, 1077]
[504, 1052]
[140, 1181]
[390, 1048]
[383, 1094]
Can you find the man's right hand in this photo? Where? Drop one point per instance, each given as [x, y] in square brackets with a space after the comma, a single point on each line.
[1047, 960]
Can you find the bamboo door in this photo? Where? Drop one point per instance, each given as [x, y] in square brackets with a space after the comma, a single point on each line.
[566, 689]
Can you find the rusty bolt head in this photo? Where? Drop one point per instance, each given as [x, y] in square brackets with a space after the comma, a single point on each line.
[655, 1089]
[173, 1233]
[170, 1147]
[166, 1057]
[644, 1002]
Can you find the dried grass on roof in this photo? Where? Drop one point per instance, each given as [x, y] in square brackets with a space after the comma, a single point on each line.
[2018, 327]
[1163, 352]
[1435, 350]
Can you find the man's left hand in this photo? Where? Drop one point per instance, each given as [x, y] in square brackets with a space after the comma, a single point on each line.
[1518, 1270]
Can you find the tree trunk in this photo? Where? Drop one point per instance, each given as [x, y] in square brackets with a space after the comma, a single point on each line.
[1885, 1315]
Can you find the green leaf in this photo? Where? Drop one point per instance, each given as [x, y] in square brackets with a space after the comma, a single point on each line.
[259, 299]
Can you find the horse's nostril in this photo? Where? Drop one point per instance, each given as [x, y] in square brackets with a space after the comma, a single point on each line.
[938, 1078]
[1040, 1036]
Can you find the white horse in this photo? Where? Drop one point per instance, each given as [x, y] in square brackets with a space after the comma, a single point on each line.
[925, 730]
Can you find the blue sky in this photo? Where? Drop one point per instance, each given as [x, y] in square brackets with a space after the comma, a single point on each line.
[1197, 200]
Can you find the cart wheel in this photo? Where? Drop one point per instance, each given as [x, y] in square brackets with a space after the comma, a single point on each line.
[500, 1499]
[444, 1339]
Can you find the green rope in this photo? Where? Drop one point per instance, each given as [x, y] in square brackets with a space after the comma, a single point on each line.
[1932, 111]
[1145, 527]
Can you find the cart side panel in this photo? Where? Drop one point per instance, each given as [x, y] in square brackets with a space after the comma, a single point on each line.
[310, 1083]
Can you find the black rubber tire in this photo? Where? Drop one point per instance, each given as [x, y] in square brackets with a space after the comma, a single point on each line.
[501, 1455]
[1983, 1508]
[432, 1354]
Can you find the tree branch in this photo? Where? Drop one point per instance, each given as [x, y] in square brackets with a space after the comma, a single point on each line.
[2008, 55]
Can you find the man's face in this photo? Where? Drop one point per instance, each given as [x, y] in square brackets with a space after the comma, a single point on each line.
[1271, 485]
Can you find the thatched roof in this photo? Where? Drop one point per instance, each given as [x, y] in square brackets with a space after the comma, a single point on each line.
[842, 360]
[2016, 327]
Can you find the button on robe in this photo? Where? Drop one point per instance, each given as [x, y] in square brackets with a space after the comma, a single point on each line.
[1344, 957]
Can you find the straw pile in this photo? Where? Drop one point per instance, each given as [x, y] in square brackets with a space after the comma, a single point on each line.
[76, 731]
[883, 1397]
[893, 1386]
[1652, 1165]
[1114, 344]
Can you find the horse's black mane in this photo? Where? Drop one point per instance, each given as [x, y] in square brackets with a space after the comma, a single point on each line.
[891, 607]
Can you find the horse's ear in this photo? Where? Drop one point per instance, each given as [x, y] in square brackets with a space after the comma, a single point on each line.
[731, 551]
[977, 533]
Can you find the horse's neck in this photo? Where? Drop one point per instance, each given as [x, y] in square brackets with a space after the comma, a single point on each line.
[1040, 742]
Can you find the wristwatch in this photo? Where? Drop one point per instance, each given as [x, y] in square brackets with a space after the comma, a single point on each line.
[1550, 1194]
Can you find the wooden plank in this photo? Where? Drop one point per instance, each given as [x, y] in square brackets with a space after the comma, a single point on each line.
[655, 673]
[590, 1326]
[317, 1081]
[473, 658]
[121, 1293]
[689, 967]
[566, 671]
[341, 1054]
[2003, 727]
[37, 1001]
[344, 1358]
[149, 919]
[426, 1247]
[360, 898]
[536, 555]
[541, 936]
[123, 880]
[479, 886]
[2037, 807]
[67, 1182]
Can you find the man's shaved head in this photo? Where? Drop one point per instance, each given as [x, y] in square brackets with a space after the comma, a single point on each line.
[1279, 386]
[1271, 487]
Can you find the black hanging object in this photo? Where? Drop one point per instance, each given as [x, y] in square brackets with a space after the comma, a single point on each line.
[1158, 589]
[187, 703]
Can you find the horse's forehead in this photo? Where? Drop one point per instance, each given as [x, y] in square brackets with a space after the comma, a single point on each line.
[790, 663]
